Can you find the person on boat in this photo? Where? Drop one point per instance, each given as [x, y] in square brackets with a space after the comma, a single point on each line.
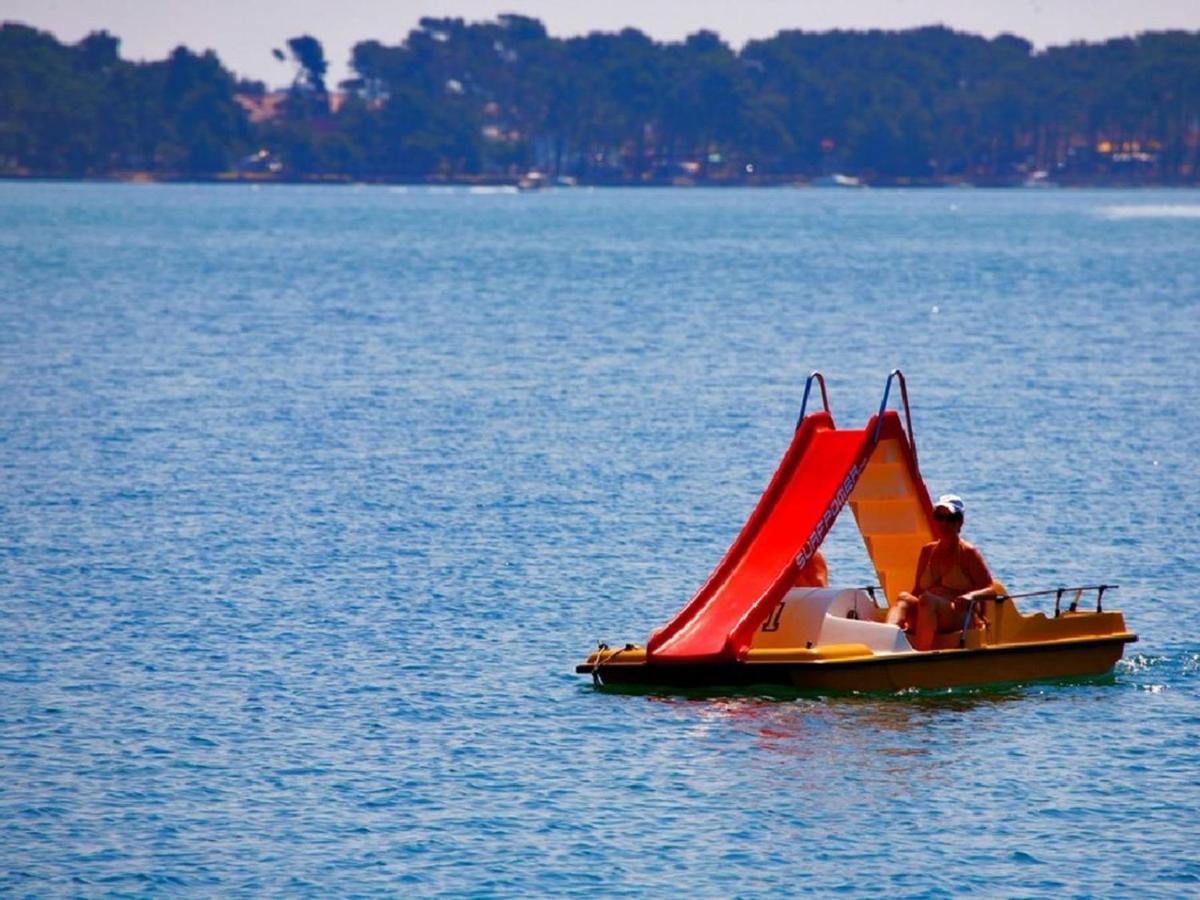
[950, 573]
[814, 573]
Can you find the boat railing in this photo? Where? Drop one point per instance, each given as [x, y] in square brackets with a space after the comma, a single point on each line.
[820, 380]
[897, 375]
[1075, 593]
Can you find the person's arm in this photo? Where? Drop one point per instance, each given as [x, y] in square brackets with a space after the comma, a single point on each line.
[977, 571]
[820, 569]
[981, 579]
[922, 562]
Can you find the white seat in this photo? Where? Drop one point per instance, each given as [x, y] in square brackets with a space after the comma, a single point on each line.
[811, 617]
[879, 636]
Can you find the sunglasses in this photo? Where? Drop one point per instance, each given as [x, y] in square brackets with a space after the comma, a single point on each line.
[946, 517]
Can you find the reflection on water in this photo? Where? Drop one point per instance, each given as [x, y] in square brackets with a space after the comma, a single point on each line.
[1151, 211]
[910, 740]
[935, 699]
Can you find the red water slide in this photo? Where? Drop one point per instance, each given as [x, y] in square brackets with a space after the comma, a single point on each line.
[809, 488]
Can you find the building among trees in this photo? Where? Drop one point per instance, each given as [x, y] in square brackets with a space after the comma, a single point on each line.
[492, 100]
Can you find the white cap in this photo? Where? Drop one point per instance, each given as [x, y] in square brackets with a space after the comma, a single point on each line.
[951, 503]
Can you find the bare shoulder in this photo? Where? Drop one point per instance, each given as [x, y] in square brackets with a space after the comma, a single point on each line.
[972, 553]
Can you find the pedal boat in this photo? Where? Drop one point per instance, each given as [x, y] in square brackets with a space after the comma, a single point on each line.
[749, 625]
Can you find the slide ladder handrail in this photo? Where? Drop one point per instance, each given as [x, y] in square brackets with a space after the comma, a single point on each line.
[820, 379]
[887, 387]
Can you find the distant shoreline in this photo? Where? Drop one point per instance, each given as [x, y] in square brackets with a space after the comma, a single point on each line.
[502, 103]
[798, 182]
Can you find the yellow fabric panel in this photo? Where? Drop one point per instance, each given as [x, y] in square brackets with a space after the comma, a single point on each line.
[881, 480]
[891, 518]
[892, 551]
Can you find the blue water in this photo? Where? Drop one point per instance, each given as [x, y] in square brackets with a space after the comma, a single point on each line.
[311, 498]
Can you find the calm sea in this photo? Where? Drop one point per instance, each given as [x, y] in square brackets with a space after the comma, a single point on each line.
[311, 499]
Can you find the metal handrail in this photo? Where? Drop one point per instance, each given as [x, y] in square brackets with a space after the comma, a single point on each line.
[887, 387]
[969, 615]
[820, 379]
[1058, 595]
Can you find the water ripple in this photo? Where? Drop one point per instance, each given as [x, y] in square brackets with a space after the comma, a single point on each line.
[312, 498]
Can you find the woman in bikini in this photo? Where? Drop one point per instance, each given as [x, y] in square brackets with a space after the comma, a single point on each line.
[949, 572]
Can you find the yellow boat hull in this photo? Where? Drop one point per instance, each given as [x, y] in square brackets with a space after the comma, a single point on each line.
[842, 668]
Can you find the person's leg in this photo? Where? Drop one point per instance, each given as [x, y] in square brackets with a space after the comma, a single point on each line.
[934, 613]
[950, 616]
[901, 613]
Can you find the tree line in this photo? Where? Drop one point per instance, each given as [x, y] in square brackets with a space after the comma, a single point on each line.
[495, 99]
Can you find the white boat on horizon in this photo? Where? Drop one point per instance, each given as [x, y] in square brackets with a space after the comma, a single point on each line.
[838, 180]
